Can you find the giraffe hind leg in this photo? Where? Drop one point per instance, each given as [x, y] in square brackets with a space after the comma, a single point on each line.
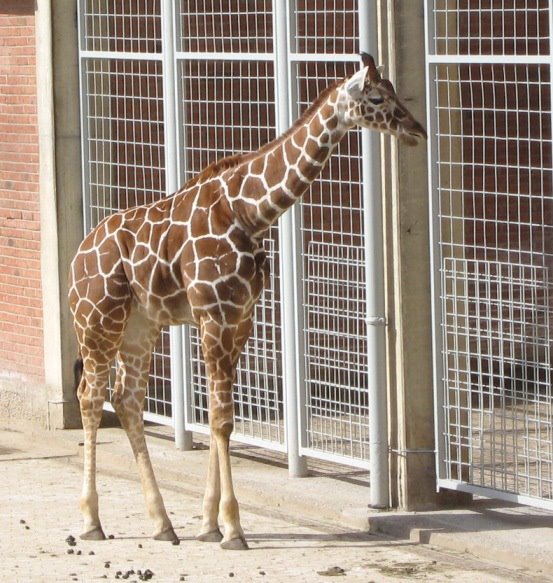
[128, 398]
[100, 306]
[91, 391]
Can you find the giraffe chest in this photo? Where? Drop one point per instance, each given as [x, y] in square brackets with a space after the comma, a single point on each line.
[225, 276]
[201, 260]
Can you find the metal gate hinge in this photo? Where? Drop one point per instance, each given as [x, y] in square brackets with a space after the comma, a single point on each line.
[376, 321]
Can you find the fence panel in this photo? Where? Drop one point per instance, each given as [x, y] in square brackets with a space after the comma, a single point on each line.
[489, 87]
[335, 407]
[225, 74]
[123, 133]
[225, 68]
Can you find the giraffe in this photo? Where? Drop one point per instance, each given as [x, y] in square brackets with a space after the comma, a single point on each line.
[197, 258]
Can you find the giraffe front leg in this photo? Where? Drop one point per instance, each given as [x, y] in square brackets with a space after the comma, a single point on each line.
[234, 538]
[219, 499]
[210, 526]
[222, 345]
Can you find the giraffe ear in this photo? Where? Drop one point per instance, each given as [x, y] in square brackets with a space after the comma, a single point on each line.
[356, 83]
[373, 70]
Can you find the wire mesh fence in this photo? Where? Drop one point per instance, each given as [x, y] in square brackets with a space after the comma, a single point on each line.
[225, 78]
[336, 371]
[227, 106]
[490, 93]
[217, 26]
[133, 27]
[335, 335]
[123, 133]
[501, 27]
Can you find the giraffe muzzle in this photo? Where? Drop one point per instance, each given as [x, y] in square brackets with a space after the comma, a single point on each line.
[413, 134]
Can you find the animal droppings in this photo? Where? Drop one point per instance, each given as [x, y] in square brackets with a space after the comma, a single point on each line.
[332, 572]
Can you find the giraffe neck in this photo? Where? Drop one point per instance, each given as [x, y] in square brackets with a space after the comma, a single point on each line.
[271, 180]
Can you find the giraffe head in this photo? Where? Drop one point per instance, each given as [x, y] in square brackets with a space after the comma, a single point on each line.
[371, 102]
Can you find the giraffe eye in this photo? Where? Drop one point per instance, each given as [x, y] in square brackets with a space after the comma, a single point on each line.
[376, 100]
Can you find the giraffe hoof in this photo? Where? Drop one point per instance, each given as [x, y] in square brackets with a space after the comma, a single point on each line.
[213, 536]
[167, 535]
[95, 534]
[235, 544]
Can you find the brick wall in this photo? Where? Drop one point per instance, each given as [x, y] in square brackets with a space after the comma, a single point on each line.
[21, 342]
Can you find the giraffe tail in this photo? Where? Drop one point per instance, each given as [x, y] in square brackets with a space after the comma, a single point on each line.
[77, 373]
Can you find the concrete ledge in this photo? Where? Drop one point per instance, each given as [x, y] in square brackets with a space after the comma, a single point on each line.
[518, 536]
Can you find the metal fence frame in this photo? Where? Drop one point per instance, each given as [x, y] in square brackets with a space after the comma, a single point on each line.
[365, 444]
[491, 300]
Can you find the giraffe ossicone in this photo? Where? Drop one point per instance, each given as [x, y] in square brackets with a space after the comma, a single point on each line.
[197, 258]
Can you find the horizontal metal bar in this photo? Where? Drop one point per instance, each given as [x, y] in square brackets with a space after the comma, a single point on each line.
[294, 57]
[153, 417]
[160, 419]
[240, 438]
[198, 56]
[335, 458]
[497, 494]
[489, 59]
[325, 57]
[406, 451]
[121, 56]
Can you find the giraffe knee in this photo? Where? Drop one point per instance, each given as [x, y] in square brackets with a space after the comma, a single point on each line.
[80, 389]
[84, 396]
[78, 368]
[221, 417]
[116, 401]
[223, 429]
[128, 406]
[91, 407]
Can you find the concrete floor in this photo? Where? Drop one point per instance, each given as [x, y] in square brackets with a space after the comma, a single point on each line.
[301, 529]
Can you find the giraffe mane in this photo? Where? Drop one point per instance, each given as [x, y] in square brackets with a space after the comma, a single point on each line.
[236, 159]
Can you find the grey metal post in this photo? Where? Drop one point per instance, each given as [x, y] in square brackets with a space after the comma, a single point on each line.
[434, 222]
[374, 265]
[183, 438]
[85, 155]
[297, 466]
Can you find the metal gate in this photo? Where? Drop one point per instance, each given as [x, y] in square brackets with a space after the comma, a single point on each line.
[226, 104]
[123, 118]
[489, 95]
[200, 79]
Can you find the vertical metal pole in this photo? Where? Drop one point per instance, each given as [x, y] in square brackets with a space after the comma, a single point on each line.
[183, 439]
[435, 258]
[375, 278]
[297, 466]
[85, 155]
